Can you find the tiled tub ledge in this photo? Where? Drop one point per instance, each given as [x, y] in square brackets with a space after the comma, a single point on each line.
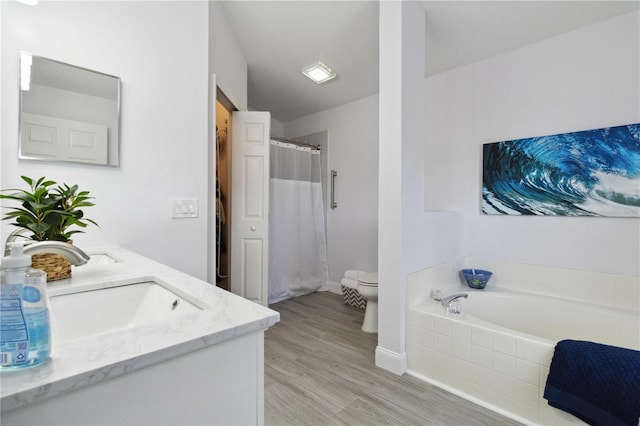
[501, 363]
[139, 375]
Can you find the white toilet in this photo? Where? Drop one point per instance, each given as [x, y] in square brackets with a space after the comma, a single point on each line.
[368, 289]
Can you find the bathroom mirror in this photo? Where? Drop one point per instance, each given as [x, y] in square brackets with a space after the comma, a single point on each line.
[68, 113]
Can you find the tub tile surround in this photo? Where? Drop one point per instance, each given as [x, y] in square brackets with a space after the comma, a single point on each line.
[619, 292]
[96, 359]
[480, 365]
[502, 370]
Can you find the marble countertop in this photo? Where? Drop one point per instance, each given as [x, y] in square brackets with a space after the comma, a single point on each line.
[85, 362]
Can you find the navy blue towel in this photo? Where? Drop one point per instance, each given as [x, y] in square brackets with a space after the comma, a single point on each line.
[598, 383]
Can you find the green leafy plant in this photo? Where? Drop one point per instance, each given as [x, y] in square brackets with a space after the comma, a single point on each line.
[48, 209]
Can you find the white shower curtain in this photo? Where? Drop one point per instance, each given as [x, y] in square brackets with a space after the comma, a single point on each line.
[297, 244]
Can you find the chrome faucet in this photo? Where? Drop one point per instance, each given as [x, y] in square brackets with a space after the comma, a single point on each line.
[73, 254]
[11, 238]
[446, 300]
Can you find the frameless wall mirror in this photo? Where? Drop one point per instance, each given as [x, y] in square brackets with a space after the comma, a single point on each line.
[68, 113]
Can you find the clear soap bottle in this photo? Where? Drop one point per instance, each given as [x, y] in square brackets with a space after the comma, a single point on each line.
[25, 330]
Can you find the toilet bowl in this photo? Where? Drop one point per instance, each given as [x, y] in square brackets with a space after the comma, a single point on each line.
[368, 289]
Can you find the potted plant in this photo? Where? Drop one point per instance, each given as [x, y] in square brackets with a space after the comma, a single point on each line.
[47, 210]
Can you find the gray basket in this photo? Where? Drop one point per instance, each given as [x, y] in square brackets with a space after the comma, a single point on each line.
[353, 298]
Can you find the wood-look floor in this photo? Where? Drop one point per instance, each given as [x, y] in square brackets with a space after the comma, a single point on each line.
[319, 370]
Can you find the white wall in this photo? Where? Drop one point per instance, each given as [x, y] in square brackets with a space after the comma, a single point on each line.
[160, 51]
[580, 80]
[277, 128]
[226, 59]
[352, 228]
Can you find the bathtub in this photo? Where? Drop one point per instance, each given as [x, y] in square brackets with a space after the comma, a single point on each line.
[553, 319]
[497, 352]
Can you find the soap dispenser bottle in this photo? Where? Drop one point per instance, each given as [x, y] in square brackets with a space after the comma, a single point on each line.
[25, 329]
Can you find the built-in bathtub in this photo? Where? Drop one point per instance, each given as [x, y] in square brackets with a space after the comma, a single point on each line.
[550, 318]
[497, 352]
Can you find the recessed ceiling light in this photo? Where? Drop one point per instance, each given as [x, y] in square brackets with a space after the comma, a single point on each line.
[319, 72]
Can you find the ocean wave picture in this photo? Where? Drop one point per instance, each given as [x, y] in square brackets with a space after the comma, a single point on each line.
[586, 173]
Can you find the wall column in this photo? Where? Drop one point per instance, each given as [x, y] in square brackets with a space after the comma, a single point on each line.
[401, 169]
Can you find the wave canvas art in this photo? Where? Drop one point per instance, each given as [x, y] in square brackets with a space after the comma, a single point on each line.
[586, 173]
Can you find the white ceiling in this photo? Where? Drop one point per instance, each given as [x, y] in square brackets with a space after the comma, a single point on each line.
[279, 38]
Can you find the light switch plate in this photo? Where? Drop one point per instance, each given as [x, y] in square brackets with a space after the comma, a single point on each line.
[184, 208]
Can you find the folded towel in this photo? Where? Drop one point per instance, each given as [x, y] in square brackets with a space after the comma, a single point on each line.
[348, 282]
[354, 274]
[597, 383]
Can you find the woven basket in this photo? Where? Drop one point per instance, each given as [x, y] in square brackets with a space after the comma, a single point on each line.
[56, 266]
[353, 298]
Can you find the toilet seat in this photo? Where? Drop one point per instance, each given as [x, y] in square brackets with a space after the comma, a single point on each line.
[370, 279]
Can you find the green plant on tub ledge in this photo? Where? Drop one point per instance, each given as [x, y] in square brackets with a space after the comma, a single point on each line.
[48, 210]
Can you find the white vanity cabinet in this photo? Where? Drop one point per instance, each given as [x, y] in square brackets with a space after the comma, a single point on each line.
[206, 368]
[219, 385]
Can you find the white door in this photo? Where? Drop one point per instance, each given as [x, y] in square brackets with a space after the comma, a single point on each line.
[250, 205]
[58, 138]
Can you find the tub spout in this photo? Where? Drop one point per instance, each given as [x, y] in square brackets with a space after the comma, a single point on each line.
[446, 300]
[73, 254]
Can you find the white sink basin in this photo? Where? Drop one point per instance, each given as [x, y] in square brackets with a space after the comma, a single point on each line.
[101, 259]
[88, 313]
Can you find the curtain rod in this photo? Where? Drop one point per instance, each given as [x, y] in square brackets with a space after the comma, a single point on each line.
[296, 142]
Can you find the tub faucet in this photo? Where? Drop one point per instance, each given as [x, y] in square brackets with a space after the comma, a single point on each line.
[446, 300]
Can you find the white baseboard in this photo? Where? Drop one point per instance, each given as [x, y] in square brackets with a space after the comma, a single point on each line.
[391, 361]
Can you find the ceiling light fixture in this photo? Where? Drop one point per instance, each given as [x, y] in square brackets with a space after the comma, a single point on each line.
[319, 72]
